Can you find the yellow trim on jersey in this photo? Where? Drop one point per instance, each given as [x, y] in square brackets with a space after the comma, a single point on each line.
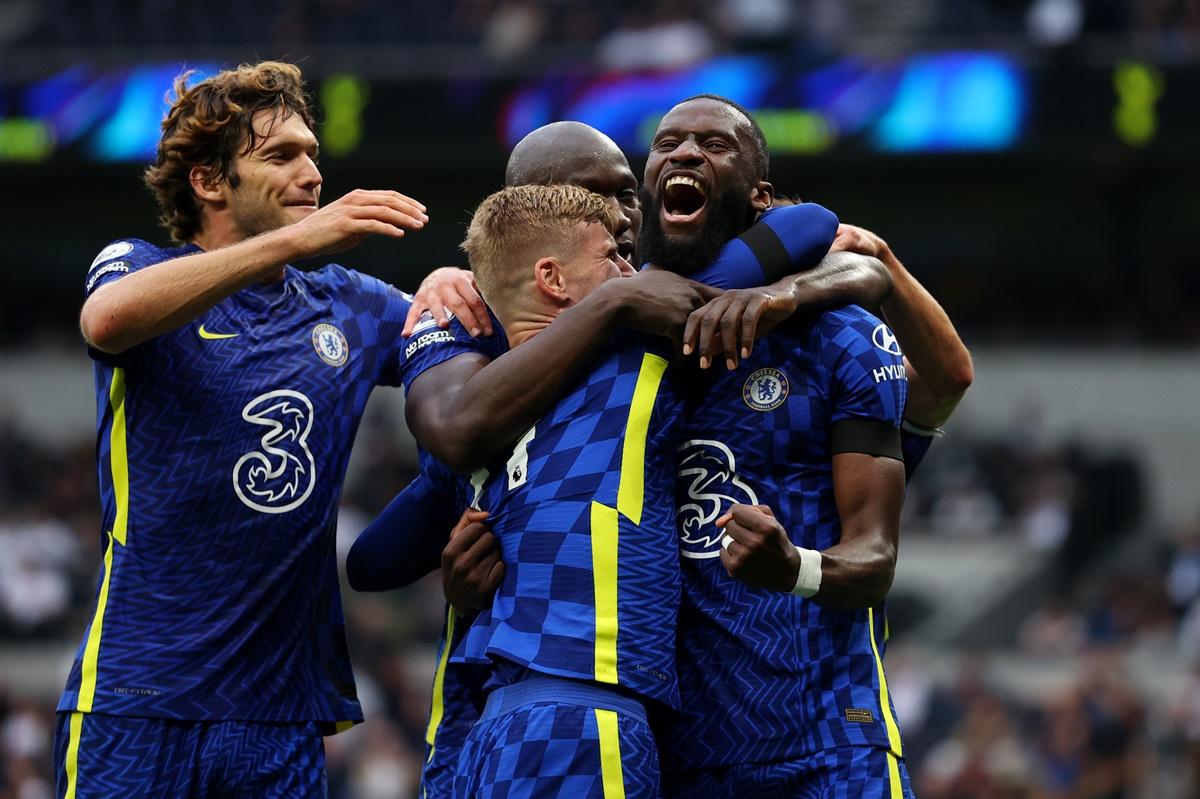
[119, 465]
[611, 774]
[885, 705]
[604, 583]
[632, 490]
[895, 786]
[91, 651]
[342, 726]
[119, 456]
[605, 524]
[438, 709]
[71, 766]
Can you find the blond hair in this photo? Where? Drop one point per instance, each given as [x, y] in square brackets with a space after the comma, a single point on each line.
[516, 226]
[209, 124]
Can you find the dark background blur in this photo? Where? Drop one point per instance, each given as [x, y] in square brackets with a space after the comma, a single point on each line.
[1033, 162]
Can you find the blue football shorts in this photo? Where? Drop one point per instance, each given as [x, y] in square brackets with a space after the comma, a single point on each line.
[554, 738]
[851, 772]
[97, 756]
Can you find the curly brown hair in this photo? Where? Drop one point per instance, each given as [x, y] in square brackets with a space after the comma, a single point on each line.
[209, 124]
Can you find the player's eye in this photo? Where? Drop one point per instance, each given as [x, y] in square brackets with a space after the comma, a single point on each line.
[665, 144]
[628, 196]
[715, 146]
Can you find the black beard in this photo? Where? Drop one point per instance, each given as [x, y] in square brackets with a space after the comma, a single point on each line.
[730, 215]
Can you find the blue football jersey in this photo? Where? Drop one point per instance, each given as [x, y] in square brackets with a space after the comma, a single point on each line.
[222, 447]
[915, 443]
[584, 513]
[429, 345]
[764, 675]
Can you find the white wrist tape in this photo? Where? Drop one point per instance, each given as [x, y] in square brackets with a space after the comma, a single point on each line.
[808, 581]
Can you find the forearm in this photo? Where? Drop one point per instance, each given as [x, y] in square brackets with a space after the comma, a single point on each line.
[404, 543]
[926, 334]
[498, 403]
[165, 296]
[858, 572]
[841, 278]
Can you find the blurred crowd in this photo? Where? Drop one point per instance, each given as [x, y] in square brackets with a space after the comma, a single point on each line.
[969, 731]
[624, 33]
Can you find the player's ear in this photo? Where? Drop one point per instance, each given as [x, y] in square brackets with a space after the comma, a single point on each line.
[551, 280]
[762, 194]
[204, 184]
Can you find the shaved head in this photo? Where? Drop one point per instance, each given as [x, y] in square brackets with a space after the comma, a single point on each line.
[558, 153]
[575, 154]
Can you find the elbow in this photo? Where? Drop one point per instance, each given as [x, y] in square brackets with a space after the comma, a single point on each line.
[455, 437]
[356, 571]
[463, 446]
[877, 580]
[950, 381]
[880, 283]
[457, 451]
[960, 376]
[103, 327]
[865, 582]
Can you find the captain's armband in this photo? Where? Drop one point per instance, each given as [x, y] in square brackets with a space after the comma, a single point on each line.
[867, 436]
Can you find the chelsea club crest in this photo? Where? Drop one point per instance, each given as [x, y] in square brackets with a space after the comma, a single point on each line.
[330, 344]
[766, 389]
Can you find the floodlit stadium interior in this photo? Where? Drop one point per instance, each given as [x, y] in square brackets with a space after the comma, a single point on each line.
[1032, 162]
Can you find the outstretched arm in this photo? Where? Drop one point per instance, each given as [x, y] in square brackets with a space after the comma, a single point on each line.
[730, 323]
[938, 363]
[793, 242]
[466, 411]
[167, 295]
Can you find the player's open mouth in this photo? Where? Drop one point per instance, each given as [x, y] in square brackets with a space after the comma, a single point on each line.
[625, 249]
[683, 200]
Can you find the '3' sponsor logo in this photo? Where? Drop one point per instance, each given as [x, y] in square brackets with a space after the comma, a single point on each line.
[280, 475]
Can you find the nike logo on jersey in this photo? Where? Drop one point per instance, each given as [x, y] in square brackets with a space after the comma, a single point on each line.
[208, 334]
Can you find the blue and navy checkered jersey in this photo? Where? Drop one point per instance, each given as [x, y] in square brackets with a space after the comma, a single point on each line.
[222, 447]
[765, 675]
[584, 513]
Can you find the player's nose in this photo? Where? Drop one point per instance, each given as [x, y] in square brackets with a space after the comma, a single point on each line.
[624, 223]
[310, 176]
[687, 151]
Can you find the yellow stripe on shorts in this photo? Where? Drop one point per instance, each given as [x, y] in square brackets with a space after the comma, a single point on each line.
[72, 764]
[612, 776]
[895, 787]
